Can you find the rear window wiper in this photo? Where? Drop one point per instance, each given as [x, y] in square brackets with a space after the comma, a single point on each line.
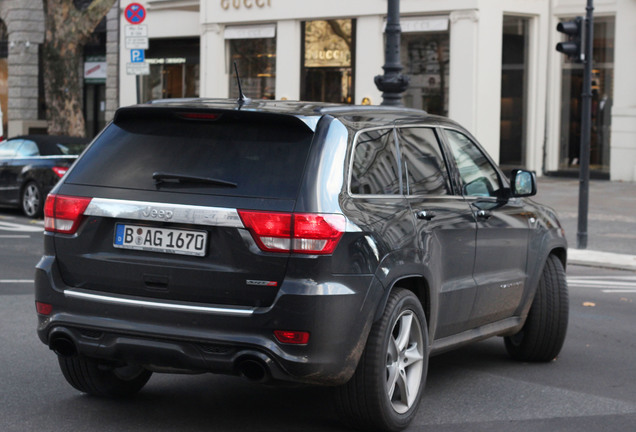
[165, 177]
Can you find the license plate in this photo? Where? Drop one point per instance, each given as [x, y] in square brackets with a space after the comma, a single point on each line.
[165, 240]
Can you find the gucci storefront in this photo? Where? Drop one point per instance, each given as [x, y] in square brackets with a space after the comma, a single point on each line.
[491, 66]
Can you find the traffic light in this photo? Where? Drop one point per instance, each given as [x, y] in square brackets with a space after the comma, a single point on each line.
[573, 47]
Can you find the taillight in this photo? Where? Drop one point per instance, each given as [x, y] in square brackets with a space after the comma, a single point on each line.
[308, 233]
[271, 231]
[63, 214]
[316, 233]
[60, 171]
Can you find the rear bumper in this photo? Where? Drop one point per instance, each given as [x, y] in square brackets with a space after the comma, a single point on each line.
[169, 336]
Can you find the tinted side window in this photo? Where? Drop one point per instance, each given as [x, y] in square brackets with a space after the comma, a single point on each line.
[423, 162]
[375, 167]
[479, 177]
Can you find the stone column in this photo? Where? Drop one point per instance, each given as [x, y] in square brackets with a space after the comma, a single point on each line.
[25, 24]
[462, 97]
[623, 139]
[112, 61]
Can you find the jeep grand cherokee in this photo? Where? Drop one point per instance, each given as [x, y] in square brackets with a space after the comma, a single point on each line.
[290, 241]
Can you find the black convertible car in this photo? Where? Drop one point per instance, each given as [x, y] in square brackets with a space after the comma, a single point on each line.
[30, 165]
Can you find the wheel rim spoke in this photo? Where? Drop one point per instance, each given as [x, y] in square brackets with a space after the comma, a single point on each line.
[413, 355]
[405, 323]
[392, 377]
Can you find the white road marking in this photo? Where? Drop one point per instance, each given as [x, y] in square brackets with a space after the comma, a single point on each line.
[607, 284]
[9, 226]
[17, 281]
[15, 236]
[625, 291]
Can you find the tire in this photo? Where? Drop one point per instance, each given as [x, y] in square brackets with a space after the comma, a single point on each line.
[395, 359]
[543, 334]
[89, 376]
[32, 200]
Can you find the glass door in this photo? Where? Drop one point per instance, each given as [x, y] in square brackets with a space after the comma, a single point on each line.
[514, 75]
[327, 70]
[602, 93]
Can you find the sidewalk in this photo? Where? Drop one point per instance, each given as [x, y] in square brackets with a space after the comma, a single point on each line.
[611, 220]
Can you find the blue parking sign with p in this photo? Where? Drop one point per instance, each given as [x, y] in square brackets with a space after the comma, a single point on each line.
[137, 56]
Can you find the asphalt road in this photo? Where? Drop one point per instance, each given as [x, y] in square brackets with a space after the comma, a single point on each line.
[590, 387]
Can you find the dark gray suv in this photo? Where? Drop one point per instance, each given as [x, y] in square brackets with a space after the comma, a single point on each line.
[291, 241]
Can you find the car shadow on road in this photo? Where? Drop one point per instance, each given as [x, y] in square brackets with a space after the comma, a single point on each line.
[220, 403]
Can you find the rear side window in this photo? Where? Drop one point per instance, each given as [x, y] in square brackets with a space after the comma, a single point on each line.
[251, 157]
[375, 167]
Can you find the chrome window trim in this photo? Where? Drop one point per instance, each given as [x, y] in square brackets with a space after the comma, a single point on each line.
[153, 211]
[178, 307]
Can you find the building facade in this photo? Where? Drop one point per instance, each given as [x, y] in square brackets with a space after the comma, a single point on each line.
[491, 65]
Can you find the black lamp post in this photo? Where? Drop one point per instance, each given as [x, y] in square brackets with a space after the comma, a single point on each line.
[392, 84]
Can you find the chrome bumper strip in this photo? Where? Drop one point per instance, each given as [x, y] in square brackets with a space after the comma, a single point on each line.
[102, 298]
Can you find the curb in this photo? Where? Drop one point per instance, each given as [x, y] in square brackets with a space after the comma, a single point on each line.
[601, 259]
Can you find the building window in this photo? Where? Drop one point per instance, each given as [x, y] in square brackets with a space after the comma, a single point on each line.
[174, 69]
[514, 76]
[327, 69]
[425, 52]
[602, 94]
[253, 48]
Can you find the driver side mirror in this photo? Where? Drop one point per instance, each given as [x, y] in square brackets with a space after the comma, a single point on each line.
[523, 183]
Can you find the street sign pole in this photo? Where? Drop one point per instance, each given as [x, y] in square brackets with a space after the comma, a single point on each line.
[137, 41]
[586, 122]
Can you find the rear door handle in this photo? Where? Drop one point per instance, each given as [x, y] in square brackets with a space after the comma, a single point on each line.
[426, 214]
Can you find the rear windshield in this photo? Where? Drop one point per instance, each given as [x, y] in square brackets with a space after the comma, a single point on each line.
[250, 156]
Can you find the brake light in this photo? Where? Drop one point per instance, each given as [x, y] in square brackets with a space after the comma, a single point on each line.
[199, 116]
[306, 233]
[63, 214]
[60, 171]
[292, 337]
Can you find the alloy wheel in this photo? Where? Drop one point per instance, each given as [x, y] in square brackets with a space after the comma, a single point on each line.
[404, 362]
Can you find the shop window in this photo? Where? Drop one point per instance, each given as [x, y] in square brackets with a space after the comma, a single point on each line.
[327, 69]
[514, 75]
[425, 55]
[256, 62]
[602, 93]
[174, 69]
